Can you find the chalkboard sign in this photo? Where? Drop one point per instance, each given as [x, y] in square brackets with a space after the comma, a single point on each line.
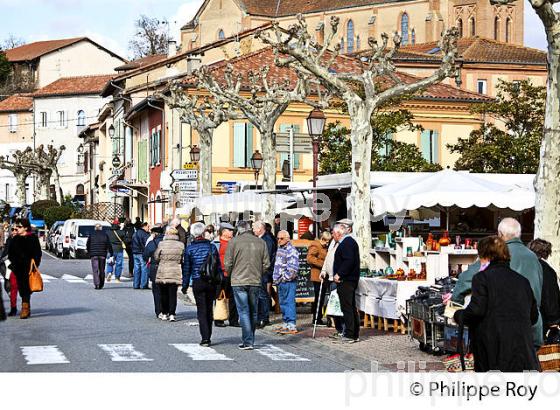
[305, 291]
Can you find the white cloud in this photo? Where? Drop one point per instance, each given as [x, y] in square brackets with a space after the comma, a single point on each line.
[534, 29]
[107, 42]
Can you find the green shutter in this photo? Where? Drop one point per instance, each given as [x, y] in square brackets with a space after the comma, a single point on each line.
[249, 145]
[142, 166]
[435, 147]
[285, 128]
[239, 145]
[425, 145]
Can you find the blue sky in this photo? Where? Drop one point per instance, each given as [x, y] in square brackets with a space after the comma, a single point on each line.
[111, 22]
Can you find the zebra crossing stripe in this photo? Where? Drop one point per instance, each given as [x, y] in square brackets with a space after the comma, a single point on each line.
[199, 353]
[89, 277]
[124, 353]
[47, 278]
[43, 355]
[277, 354]
[72, 279]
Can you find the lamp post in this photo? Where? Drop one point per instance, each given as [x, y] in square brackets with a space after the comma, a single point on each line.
[315, 127]
[195, 154]
[257, 163]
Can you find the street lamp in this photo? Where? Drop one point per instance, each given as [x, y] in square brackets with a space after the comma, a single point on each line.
[315, 126]
[257, 163]
[111, 131]
[195, 154]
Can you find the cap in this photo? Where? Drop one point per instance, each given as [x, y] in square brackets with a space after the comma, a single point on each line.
[226, 225]
[346, 222]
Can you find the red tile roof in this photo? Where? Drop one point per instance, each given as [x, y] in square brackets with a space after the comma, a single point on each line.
[84, 85]
[477, 50]
[35, 50]
[281, 8]
[141, 62]
[253, 61]
[17, 103]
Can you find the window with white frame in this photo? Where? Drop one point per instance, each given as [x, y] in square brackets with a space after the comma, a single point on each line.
[44, 119]
[155, 147]
[242, 145]
[13, 122]
[81, 119]
[481, 86]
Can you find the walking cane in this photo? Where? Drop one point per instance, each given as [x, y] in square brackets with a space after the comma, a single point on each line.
[318, 307]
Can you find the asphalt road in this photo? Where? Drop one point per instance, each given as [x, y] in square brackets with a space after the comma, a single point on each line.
[75, 328]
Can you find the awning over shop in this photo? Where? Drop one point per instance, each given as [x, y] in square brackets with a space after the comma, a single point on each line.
[248, 201]
[449, 188]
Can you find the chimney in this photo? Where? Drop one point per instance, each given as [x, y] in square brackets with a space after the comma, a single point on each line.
[171, 48]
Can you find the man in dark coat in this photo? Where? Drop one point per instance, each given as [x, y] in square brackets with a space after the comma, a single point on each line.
[98, 246]
[139, 240]
[149, 251]
[263, 318]
[346, 269]
[129, 230]
[500, 315]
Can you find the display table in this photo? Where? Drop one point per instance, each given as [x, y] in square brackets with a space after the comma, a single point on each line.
[385, 298]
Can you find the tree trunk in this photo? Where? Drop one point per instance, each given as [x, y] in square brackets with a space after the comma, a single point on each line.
[547, 221]
[206, 161]
[360, 196]
[44, 183]
[58, 190]
[21, 192]
[268, 146]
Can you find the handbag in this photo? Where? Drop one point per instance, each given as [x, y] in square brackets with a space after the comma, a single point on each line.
[35, 280]
[221, 308]
[333, 306]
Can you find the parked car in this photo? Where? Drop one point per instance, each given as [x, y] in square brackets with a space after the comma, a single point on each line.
[51, 235]
[63, 241]
[80, 231]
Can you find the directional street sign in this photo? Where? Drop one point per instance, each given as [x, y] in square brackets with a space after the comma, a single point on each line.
[185, 175]
[302, 143]
[186, 185]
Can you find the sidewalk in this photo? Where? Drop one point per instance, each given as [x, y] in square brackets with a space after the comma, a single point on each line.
[386, 351]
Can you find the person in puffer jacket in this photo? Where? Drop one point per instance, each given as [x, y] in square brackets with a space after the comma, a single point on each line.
[204, 292]
[139, 240]
[169, 256]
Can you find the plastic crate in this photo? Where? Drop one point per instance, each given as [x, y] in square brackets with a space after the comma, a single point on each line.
[420, 311]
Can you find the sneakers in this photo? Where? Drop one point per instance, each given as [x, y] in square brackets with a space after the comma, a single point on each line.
[118, 280]
[163, 317]
[281, 328]
[109, 276]
[320, 323]
[336, 335]
[205, 343]
[348, 340]
[289, 331]
[171, 318]
[245, 347]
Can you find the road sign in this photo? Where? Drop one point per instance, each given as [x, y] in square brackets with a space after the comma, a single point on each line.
[302, 143]
[186, 185]
[185, 175]
[188, 165]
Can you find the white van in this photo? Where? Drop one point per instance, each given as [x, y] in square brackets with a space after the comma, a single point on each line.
[80, 231]
[63, 241]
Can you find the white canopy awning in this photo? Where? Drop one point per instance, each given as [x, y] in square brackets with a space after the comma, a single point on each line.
[449, 188]
[248, 201]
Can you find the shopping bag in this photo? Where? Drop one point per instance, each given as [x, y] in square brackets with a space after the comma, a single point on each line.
[221, 308]
[35, 280]
[333, 307]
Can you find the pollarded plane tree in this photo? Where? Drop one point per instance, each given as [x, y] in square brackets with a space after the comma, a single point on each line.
[364, 90]
[547, 187]
[261, 100]
[204, 115]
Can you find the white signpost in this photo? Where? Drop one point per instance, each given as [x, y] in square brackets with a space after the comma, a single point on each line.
[186, 181]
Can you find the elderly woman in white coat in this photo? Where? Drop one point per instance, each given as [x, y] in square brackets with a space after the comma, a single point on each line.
[169, 255]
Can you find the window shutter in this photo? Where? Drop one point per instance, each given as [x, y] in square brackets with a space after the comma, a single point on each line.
[239, 145]
[249, 145]
[383, 150]
[425, 144]
[435, 147]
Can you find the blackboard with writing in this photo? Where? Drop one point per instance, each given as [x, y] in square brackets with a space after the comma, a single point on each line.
[304, 291]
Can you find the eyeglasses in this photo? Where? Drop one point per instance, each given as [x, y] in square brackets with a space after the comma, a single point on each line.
[18, 227]
[282, 239]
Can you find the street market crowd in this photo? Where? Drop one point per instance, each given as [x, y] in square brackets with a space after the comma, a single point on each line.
[510, 296]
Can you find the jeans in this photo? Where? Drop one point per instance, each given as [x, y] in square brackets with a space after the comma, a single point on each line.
[98, 268]
[287, 296]
[140, 272]
[347, 295]
[246, 300]
[204, 295]
[168, 298]
[264, 304]
[118, 267]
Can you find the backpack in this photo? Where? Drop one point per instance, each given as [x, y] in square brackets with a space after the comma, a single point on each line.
[209, 271]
